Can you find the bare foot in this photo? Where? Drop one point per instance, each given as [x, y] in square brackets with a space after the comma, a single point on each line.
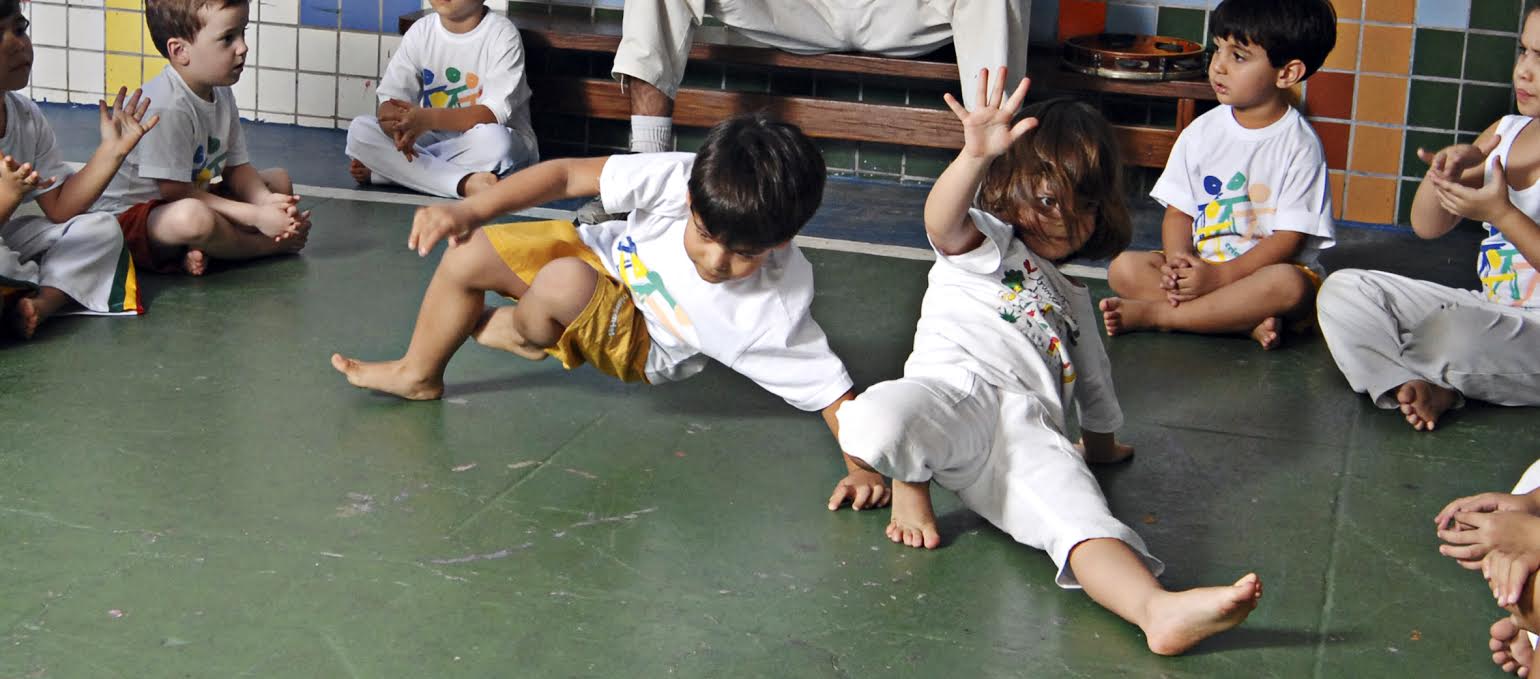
[390, 377]
[1179, 620]
[1119, 453]
[293, 240]
[1423, 403]
[23, 318]
[1125, 315]
[495, 330]
[476, 183]
[913, 522]
[360, 172]
[1510, 646]
[1269, 333]
[195, 263]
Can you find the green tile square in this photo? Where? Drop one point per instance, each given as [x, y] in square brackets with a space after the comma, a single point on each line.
[1411, 165]
[1430, 104]
[1438, 53]
[929, 96]
[1179, 22]
[880, 159]
[689, 138]
[1467, 137]
[607, 14]
[1489, 58]
[1495, 15]
[572, 11]
[747, 80]
[702, 76]
[838, 155]
[1481, 106]
[844, 89]
[1404, 205]
[923, 163]
[884, 94]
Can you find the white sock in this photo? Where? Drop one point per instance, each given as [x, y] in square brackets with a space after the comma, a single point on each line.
[652, 134]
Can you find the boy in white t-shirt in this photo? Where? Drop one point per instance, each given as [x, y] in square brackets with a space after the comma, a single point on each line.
[66, 258]
[702, 268]
[174, 217]
[1248, 206]
[454, 106]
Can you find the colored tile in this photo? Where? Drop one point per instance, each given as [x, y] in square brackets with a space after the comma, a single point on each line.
[839, 155]
[147, 41]
[125, 4]
[152, 66]
[361, 15]
[1444, 13]
[1344, 56]
[1381, 99]
[320, 13]
[1043, 24]
[1348, 9]
[1432, 104]
[1438, 53]
[1081, 17]
[1489, 58]
[1330, 94]
[880, 159]
[1374, 149]
[1390, 11]
[1337, 181]
[1392, 51]
[1136, 19]
[124, 33]
[1370, 199]
[1495, 15]
[1404, 205]
[1334, 141]
[124, 71]
[1411, 165]
[390, 10]
[1182, 23]
[927, 162]
[1481, 106]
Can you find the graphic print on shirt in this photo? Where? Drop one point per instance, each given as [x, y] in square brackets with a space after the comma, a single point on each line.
[457, 89]
[650, 293]
[208, 164]
[1228, 225]
[1035, 308]
[1506, 277]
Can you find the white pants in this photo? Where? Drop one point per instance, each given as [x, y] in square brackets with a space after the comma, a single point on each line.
[998, 450]
[1384, 330]
[80, 257]
[443, 158]
[655, 34]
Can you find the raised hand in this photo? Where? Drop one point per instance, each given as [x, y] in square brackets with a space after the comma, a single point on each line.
[434, 223]
[124, 125]
[987, 129]
[1450, 161]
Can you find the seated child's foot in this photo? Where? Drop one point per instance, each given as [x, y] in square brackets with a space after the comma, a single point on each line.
[1423, 403]
[360, 172]
[476, 183]
[293, 240]
[195, 263]
[1125, 315]
[23, 318]
[1179, 620]
[1269, 333]
[495, 330]
[913, 522]
[389, 377]
[1510, 646]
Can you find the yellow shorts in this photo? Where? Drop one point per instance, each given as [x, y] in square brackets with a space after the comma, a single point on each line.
[609, 333]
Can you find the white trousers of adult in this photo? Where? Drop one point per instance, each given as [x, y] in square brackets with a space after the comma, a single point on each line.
[79, 257]
[1385, 330]
[987, 34]
[998, 450]
[443, 158]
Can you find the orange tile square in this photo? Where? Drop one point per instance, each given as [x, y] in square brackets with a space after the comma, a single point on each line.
[1348, 9]
[1392, 51]
[1081, 17]
[1334, 141]
[1390, 11]
[1345, 55]
[1381, 99]
[1370, 199]
[1376, 149]
[1336, 180]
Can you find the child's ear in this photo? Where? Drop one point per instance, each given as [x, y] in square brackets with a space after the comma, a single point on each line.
[176, 49]
[1292, 73]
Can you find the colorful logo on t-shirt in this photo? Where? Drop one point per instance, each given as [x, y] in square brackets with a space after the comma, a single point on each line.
[1033, 306]
[1506, 277]
[1227, 226]
[650, 293]
[208, 164]
[457, 89]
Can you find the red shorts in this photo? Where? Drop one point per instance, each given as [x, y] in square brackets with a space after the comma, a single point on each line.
[135, 223]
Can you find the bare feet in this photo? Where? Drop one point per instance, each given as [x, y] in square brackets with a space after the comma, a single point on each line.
[1269, 333]
[360, 172]
[1125, 315]
[1179, 620]
[23, 318]
[1510, 646]
[195, 263]
[913, 522]
[390, 377]
[476, 183]
[292, 241]
[1423, 403]
[495, 330]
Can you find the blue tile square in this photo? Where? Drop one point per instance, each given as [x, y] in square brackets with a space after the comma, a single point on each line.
[391, 9]
[361, 15]
[319, 13]
[1443, 14]
[1136, 19]
[1043, 26]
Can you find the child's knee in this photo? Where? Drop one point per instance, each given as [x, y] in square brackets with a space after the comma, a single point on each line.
[1340, 294]
[99, 227]
[563, 287]
[1123, 274]
[364, 131]
[277, 180]
[184, 222]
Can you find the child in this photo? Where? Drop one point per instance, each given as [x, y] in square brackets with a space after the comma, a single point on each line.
[1424, 347]
[67, 257]
[1246, 195]
[703, 268]
[1004, 343]
[454, 107]
[162, 195]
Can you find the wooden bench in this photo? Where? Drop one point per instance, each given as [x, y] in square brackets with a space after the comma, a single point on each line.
[1146, 146]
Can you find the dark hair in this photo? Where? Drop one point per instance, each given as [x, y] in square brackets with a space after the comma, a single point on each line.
[169, 19]
[1073, 155]
[1287, 29]
[9, 8]
[756, 182]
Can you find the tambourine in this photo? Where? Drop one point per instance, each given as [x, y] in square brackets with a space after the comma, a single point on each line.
[1125, 56]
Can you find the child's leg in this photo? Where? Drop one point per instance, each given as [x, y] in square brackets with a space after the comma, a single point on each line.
[194, 226]
[371, 146]
[24, 317]
[277, 180]
[553, 301]
[1136, 275]
[77, 261]
[1273, 291]
[484, 152]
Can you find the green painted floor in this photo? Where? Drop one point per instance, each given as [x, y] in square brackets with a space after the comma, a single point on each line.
[195, 493]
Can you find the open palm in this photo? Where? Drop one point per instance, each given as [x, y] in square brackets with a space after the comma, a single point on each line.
[123, 125]
[987, 129]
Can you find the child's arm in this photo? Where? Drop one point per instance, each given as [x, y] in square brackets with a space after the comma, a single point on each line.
[542, 183]
[271, 218]
[987, 133]
[1489, 203]
[1462, 163]
[121, 130]
[862, 485]
[405, 122]
[1196, 277]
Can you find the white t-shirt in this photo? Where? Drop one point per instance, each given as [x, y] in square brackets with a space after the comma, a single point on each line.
[759, 326]
[438, 69]
[196, 141]
[1009, 317]
[29, 139]
[1506, 277]
[1241, 185]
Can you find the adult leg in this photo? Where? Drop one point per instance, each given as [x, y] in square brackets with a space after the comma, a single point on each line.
[994, 34]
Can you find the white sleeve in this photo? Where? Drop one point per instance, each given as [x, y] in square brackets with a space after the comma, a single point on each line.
[45, 158]
[986, 258]
[502, 74]
[793, 361]
[1175, 187]
[1304, 196]
[402, 79]
[1095, 398]
[658, 183]
[167, 151]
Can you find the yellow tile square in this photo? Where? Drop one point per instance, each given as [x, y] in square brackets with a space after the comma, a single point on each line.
[126, 4]
[123, 31]
[153, 66]
[124, 71]
[1344, 57]
[149, 42]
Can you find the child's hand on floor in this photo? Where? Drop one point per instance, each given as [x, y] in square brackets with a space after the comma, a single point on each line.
[1451, 161]
[863, 488]
[1487, 531]
[121, 125]
[987, 129]
[1486, 502]
[1508, 574]
[437, 222]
